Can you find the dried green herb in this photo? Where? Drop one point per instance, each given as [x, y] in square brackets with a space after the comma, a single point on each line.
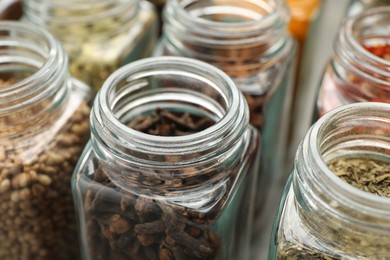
[365, 174]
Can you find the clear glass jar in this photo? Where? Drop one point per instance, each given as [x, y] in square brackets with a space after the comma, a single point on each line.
[170, 170]
[100, 36]
[250, 42]
[43, 129]
[359, 68]
[324, 217]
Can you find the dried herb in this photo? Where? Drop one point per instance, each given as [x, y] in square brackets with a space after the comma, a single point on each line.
[37, 220]
[365, 174]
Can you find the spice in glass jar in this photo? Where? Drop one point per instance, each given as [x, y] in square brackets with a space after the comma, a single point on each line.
[43, 129]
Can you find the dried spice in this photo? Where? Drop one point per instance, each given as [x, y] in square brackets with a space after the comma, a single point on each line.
[369, 175]
[98, 37]
[123, 225]
[380, 50]
[290, 251]
[38, 219]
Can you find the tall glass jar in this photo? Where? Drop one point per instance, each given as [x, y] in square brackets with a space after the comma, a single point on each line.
[359, 68]
[248, 40]
[322, 215]
[99, 35]
[43, 129]
[170, 170]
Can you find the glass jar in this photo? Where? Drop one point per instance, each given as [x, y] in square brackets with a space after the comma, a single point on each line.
[316, 54]
[359, 68]
[170, 170]
[249, 40]
[324, 217]
[99, 36]
[43, 129]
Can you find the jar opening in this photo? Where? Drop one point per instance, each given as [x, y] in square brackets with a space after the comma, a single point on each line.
[227, 21]
[177, 85]
[360, 130]
[362, 47]
[34, 62]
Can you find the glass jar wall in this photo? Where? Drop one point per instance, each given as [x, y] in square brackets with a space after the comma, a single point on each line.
[99, 36]
[170, 170]
[250, 42]
[359, 68]
[43, 129]
[337, 204]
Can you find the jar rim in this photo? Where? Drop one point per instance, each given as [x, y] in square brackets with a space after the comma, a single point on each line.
[348, 41]
[245, 30]
[54, 64]
[375, 202]
[173, 144]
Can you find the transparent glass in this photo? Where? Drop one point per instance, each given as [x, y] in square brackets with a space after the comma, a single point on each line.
[250, 42]
[181, 194]
[43, 129]
[359, 69]
[99, 35]
[323, 217]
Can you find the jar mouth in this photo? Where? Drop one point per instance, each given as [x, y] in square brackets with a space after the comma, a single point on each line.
[367, 29]
[350, 131]
[241, 22]
[38, 60]
[165, 82]
[78, 11]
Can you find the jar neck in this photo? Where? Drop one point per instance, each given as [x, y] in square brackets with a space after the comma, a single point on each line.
[80, 20]
[153, 164]
[223, 31]
[366, 74]
[330, 206]
[35, 65]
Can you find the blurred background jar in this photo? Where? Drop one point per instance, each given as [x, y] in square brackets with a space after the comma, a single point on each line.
[359, 68]
[171, 167]
[250, 42]
[99, 36]
[316, 54]
[337, 203]
[43, 129]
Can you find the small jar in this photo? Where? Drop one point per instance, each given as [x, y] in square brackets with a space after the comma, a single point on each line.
[359, 68]
[170, 170]
[249, 40]
[337, 203]
[43, 130]
[99, 36]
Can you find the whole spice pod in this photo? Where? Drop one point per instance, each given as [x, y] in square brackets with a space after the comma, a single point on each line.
[337, 202]
[359, 68]
[43, 129]
[99, 36]
[169, 172]
[249, 41]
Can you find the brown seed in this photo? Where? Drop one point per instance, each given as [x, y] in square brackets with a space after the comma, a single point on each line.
[165, 254]
[5, 185]
[119, 225]
[146, 240]
[44, 179]
[24, 180]
[54, 159]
